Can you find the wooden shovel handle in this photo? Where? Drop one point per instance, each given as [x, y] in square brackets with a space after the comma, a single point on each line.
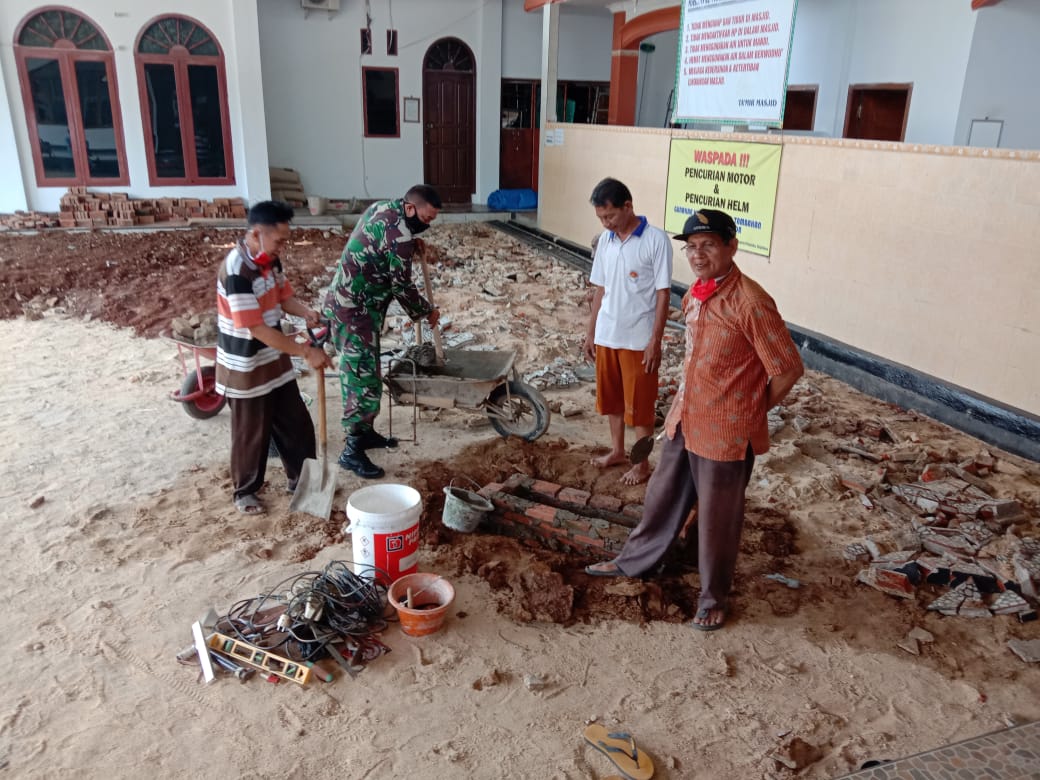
[323, 431]
[438, 347]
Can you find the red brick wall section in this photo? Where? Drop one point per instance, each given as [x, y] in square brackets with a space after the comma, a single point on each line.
[553, 527]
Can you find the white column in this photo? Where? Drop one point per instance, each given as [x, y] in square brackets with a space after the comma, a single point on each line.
[252, 177]
[550, 56]
[489, 100]
[12, 186]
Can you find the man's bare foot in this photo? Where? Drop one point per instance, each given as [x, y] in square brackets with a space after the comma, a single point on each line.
[709, 618]
[636, 475]
[610, 459]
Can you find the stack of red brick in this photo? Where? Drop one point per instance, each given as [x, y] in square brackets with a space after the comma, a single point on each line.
[80, 208]
[83, 209]
[27, 220]
[545, 514]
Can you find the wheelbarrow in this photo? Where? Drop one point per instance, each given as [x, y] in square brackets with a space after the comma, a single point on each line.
[481, 380]
[198, 394]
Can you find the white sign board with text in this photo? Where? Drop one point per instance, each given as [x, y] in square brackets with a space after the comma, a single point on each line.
[733, 57]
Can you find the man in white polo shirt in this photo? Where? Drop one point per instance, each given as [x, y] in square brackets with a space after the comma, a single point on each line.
[632, 274]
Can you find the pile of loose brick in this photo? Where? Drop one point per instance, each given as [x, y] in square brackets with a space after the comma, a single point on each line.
[83, 209]
[544, 514]
[960, 538]
[28, 220]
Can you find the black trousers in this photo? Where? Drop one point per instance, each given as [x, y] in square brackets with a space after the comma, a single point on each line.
[681, 480]
[281, 416]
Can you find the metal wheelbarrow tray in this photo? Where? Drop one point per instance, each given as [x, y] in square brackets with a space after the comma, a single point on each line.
[482, 380]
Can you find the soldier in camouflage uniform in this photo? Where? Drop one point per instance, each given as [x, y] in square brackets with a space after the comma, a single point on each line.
[375, 267]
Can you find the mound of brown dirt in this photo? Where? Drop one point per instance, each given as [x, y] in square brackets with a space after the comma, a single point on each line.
[141, 280]
[532, 583]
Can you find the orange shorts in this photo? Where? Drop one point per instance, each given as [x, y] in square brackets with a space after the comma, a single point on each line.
[623, 387]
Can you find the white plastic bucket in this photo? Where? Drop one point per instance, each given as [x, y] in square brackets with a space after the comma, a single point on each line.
[316, 204]
[384, 530]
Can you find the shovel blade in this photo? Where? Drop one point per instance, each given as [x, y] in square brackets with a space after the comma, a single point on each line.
[315, 490]
[641, 449]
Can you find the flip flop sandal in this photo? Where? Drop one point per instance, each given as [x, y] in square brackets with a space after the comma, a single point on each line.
[621, 749]
[614, 572]
[249, 505]
[704, 612]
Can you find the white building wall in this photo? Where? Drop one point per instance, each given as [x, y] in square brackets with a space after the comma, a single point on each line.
[656, 79]
[229, 20]
[926, 43]
[1001, 82]
[585, 39]
[522, 42]
[820, 52]
[586, 35]
[313, 91]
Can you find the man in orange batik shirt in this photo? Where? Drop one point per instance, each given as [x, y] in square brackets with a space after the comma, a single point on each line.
[740, 362]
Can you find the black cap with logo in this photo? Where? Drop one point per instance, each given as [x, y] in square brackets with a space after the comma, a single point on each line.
[709, 221]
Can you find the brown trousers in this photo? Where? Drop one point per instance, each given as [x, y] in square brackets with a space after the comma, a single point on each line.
[280, 415]
[681, 480]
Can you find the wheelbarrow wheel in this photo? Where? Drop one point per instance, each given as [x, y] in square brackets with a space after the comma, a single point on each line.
[522, 412]
[210, 402]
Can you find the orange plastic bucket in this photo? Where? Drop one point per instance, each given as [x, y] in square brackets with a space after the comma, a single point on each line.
[431, 597]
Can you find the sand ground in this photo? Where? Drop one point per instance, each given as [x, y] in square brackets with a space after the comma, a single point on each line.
[120, 533]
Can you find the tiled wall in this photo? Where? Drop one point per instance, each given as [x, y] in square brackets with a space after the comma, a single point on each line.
[926, 256]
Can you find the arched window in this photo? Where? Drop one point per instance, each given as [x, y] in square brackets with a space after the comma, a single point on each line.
[449, 54]
[180, 75]
[68, 80]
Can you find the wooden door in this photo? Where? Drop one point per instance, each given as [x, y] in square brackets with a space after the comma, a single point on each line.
[877, 111]
[449, 120]
[516, 168]
[800, 108]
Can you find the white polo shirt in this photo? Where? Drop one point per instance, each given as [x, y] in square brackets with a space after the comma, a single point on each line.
[630, 273]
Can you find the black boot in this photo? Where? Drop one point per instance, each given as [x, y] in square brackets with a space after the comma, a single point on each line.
[353, 458]
[370, 440]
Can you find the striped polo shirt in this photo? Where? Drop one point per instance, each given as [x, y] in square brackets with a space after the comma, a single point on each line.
[248, 296]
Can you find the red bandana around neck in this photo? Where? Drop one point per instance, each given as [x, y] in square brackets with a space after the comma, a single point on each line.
[703, 290]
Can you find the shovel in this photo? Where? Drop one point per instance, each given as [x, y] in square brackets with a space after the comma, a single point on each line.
[643, 447]
[317, 485]
[438, 347]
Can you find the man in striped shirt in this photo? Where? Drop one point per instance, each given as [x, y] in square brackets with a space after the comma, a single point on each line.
[254, 369]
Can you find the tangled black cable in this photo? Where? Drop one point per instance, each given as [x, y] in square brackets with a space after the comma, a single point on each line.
[303, 614]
